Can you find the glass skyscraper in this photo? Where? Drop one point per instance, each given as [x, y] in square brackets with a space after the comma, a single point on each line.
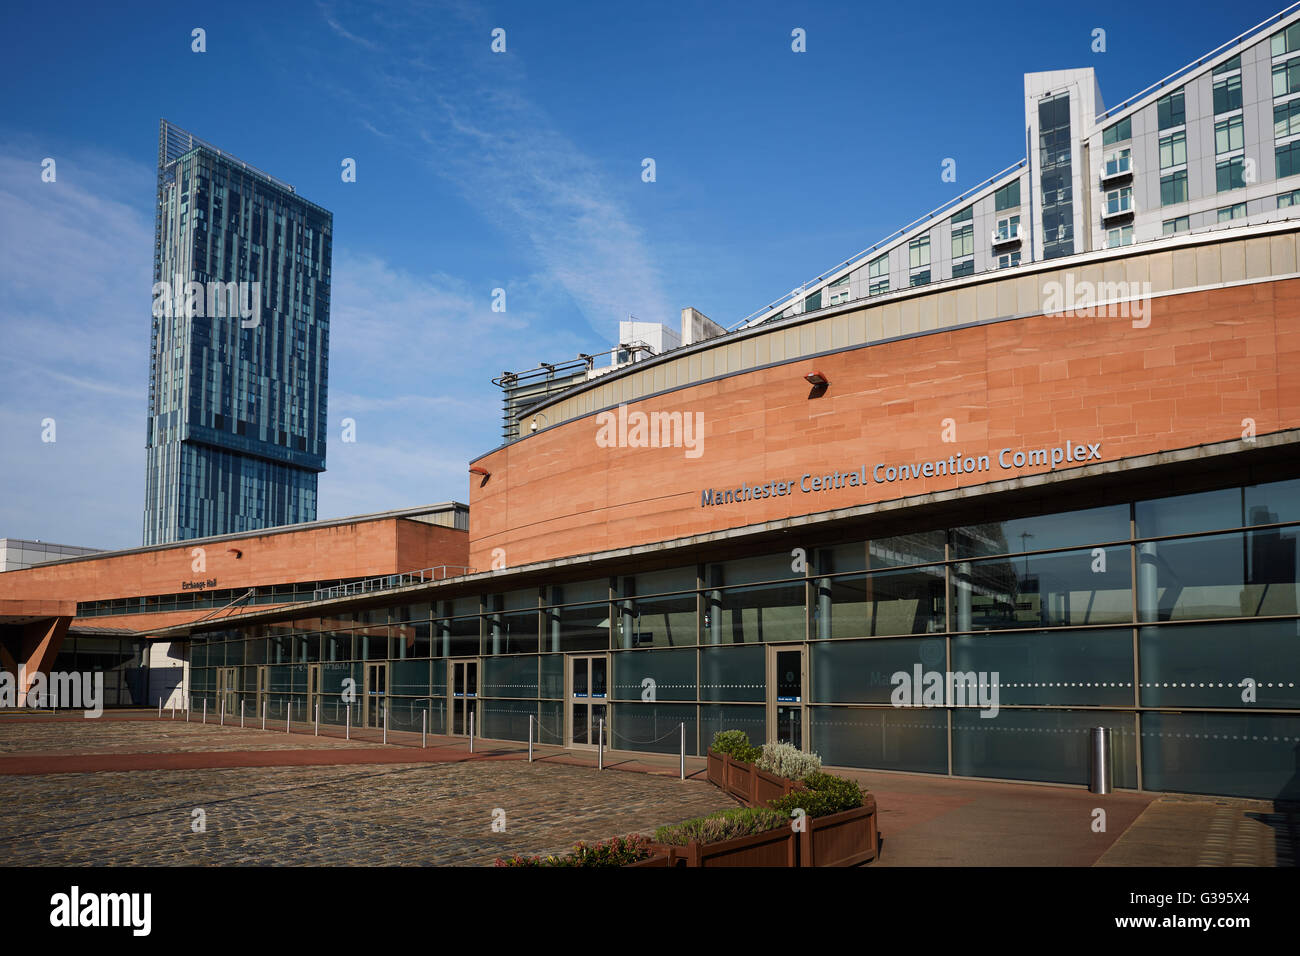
[240, 347]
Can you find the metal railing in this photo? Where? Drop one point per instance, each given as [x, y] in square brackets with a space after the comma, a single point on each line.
[896, 234]
[1182, 71]
[387, 582]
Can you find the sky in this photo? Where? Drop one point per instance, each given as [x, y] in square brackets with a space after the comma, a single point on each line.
[477, 170]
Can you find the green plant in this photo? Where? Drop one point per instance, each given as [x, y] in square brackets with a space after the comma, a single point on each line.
[619, 851]
[786, 760]
[723, 825]
[826, 794]
[736, 743]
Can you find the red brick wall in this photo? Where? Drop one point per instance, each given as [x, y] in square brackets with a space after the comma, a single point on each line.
[1206, 361]
[360, 549]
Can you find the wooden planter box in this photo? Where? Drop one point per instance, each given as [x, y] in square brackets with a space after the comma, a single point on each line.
[658, 859]
[841, 839]
[745, 782]
[779, 847]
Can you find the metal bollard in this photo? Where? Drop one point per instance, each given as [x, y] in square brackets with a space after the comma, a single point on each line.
[424, 729]
[384, 717]
[530, 738]
[1099, 760]
[264, 715]
[241, 713]
[683, 758]
[347, 733]
[205, 710]
[288, 715]
[317, 718]
[600, 745]
[222, 721]
[471, 731]
[160, 707]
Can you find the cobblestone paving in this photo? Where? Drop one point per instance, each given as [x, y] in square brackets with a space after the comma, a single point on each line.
[395, 815]
[24, 736]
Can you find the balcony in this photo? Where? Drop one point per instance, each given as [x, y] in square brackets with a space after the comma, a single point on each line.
[1116, 171]
[1008, 237]
[1118, 208]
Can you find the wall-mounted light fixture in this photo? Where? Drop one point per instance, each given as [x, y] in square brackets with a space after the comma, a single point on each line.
[476, 470]
[236, 552]
[817, 379]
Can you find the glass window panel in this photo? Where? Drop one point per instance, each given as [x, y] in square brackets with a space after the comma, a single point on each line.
[1204, 665]
[457, 637]
[882, 603]
[771, 612]
[1044, 590]
[1273, 502]
[860, 672]
[671, 675]
[1057, 531]
[915, 741]
[584, 627]
[1251, 574]
[751, 718]
[733, 673]
[409, 678]
[510, 676]
[1062, 668]
[1180, 514]
[552, 676]
[512, 633]
[414, 639]
[1050, 745]
[505, 719]
[1241, 755]
[658, 582]
[652, 728]
[657, 621]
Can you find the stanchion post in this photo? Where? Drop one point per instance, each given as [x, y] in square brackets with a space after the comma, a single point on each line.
[683, 760]
[385, 719]
[160, 706]
[264, 713]
[205, 710]
[241, 712]
[317, 718]
[530, 738]
[424, 729]
[600, 744]
[288, 715]
[471, 731]
[347, 731]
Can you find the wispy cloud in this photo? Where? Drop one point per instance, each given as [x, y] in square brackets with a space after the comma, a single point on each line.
[469, 119]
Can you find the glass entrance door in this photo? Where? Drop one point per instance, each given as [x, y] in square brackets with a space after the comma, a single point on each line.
[376, 693]
[464, 697]
[261, 691]
[228, 689]
[786, 700]
[588, 693]
[313, 690]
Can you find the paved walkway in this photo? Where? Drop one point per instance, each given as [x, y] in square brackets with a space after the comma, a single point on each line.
[122, 790]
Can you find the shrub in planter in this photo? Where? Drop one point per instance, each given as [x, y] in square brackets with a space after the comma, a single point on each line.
[826, 794]
[786, 760]
[616, 852]
[723, 825]
[736, 743]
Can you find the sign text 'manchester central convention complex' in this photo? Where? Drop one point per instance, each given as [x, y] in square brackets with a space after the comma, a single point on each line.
[930, 457]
